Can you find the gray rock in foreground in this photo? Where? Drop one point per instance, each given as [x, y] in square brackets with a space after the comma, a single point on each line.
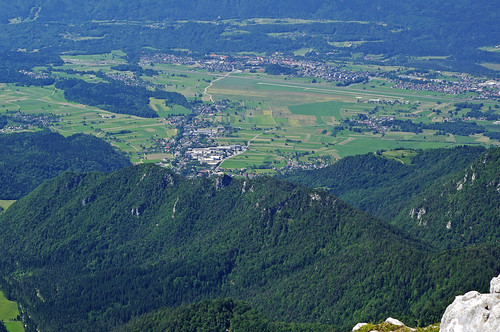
[474, 311]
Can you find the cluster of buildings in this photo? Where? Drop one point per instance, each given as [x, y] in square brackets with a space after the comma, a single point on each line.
[32, 74]
[214, 155]
[375, 123]
[126, 79]
[194, 148]
[485, 90]
[24, 121]
[224, 63]
[317, 69]
[166, 58]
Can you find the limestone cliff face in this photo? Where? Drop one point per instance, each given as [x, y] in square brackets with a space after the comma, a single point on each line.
[474, 311]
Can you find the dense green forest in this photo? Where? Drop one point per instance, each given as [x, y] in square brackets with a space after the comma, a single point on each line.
[12, 63]
[392, 10]
[106, 248]
[447, 197]
[29, 158]
[118, 97]
[461, 211]
[215, 315]
[383, 187]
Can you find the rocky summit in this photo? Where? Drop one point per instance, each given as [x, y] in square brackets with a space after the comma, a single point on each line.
[474, 311]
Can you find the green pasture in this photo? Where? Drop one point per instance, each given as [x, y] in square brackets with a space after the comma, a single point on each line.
[8, 309]
[403, 156]
[114, 57]
[319, 110]
[77, 118]
[9, 313]
[14, 326]
[302, 51]
[5, 204]
[364, 144]
[165, 111]
[188, 82]
[492, 66]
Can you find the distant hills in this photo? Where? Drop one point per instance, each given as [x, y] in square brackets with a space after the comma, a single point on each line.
[475, 21]
[402, 32]
[462, 12]
[29, 158]
[92, 251]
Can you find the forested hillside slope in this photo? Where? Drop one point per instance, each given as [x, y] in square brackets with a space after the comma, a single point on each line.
[453, 33]
[92, 251]
[381, 186]
[214, 315]
[463, 210]
[391, 10]
[29, 158]
[447, 197]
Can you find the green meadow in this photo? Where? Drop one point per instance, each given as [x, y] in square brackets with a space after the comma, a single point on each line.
[297, 119]
[282, 119]
[5, 204]
[129, 133]
[9, 313]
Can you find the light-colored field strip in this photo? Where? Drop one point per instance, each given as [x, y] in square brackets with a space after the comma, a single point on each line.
[451, 138]
[356, 92]
[332, 91]
[350, 139]
[271, 114]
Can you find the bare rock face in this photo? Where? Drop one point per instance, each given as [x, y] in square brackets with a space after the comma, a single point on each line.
[495, 285]
[394, 321]
[474, 311]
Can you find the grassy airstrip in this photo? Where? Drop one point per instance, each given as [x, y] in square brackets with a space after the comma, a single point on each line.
[281, 119]
[297, 119]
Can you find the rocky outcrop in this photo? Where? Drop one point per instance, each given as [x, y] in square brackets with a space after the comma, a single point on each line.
[222, 182]
[358, 326]
[390, 324]
[474, 311]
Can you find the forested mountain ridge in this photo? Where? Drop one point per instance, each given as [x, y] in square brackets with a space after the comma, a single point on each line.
[446, 197]
[383, 187]
[426, 21]
[29, 158]
[211, 9]
[91, 251]
[452, 32]
[463, 210]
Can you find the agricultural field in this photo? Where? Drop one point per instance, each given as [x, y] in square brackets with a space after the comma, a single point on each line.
[129, 133]
[9, 314]
[294, 121]
[282, 121]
